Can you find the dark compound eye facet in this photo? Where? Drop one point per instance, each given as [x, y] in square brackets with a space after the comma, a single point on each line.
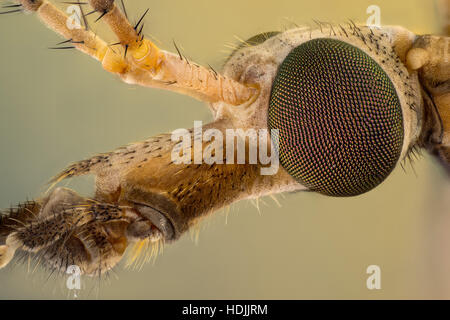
[339, 118]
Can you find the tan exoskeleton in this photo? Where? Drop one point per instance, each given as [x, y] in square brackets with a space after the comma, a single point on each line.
[143, 196]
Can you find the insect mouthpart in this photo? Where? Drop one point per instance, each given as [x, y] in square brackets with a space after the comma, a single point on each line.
[65, 229]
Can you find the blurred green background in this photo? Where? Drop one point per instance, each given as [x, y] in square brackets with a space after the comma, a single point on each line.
[60, 106]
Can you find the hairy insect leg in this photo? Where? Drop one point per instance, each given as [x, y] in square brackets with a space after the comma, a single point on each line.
[142, 62]
[64, 229]
[37, 224]
[172, 69]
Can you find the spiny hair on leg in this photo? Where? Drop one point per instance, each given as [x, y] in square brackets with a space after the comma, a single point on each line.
[63, 229]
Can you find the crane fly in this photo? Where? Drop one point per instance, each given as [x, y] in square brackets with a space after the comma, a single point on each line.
[338, 106]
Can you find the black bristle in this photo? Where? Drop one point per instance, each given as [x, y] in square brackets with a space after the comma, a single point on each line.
[12, 11]
[140, 30]
[62, 48]
[12, 6]
[101, 16]
[65, 41]
[89, 13]
[178, 50]
[86, 25]
[214, 71]
[124, 9]
[140, 20]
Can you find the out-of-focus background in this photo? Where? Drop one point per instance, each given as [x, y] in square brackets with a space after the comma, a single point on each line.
[58, 106]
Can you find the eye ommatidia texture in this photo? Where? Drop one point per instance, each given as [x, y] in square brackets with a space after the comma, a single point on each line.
[339, 118]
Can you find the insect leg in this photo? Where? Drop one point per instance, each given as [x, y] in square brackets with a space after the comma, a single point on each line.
[167, 69]
[141, 62]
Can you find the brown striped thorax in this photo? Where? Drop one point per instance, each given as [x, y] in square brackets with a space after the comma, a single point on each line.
[342, 105]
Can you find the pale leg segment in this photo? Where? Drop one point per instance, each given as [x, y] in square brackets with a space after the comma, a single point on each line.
[141, 61]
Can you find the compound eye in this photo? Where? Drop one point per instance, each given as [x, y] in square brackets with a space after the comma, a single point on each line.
[339, 119]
